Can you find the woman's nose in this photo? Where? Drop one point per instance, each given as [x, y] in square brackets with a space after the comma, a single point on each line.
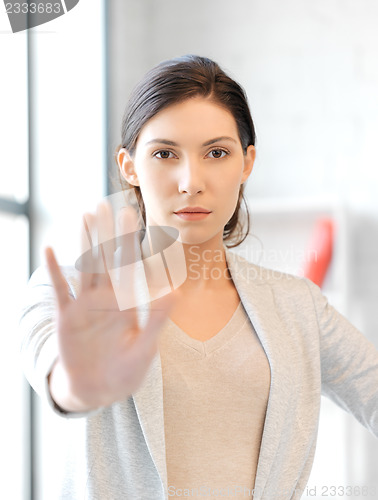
[191, 179]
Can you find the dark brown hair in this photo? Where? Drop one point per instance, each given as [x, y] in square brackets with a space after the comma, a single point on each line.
[174, 81]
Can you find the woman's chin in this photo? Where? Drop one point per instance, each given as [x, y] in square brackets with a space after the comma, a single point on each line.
[190, 239]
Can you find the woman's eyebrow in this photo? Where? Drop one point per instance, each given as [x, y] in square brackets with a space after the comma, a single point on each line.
[207, 143]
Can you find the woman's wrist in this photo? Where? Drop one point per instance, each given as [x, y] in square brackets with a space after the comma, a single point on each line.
[60, 392]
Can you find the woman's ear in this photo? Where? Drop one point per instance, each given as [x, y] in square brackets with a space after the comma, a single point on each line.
[249, 160]
[127, 167]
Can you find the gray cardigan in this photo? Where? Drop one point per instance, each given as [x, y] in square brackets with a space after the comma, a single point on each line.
[311, 349]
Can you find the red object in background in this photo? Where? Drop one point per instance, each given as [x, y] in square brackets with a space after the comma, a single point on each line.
[319, 251]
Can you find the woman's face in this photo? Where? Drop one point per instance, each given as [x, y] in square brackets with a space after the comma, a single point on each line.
[189, 155]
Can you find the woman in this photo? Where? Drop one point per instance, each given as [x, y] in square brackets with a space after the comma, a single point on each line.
[218, 393]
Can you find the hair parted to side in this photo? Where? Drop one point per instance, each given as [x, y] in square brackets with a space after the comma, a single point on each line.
[171, 82]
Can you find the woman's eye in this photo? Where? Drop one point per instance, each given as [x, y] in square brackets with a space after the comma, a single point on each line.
[219, 151]
[164, 153]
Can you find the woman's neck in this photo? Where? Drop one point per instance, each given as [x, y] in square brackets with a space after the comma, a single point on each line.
[205, 265]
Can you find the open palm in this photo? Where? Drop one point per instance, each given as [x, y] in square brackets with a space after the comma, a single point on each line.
[103, 353]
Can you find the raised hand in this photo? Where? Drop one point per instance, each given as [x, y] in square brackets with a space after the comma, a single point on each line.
[103, 353]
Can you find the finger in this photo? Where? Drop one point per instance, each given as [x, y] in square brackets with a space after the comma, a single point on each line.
[86, 274]
[123, 274]
[60, 285]
[105, 224]
[128, 227]
[160, 309]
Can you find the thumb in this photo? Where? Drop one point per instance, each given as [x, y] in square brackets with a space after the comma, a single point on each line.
[159, 311]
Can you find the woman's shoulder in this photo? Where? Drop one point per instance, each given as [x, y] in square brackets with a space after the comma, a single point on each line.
[290, 291]
[247, 269]
[287, 287]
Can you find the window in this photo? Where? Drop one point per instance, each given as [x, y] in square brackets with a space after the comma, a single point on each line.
[52, 168]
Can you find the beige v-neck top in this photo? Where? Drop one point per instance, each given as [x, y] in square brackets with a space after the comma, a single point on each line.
[215, 398]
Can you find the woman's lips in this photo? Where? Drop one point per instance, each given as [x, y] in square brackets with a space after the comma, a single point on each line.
[192, 215]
